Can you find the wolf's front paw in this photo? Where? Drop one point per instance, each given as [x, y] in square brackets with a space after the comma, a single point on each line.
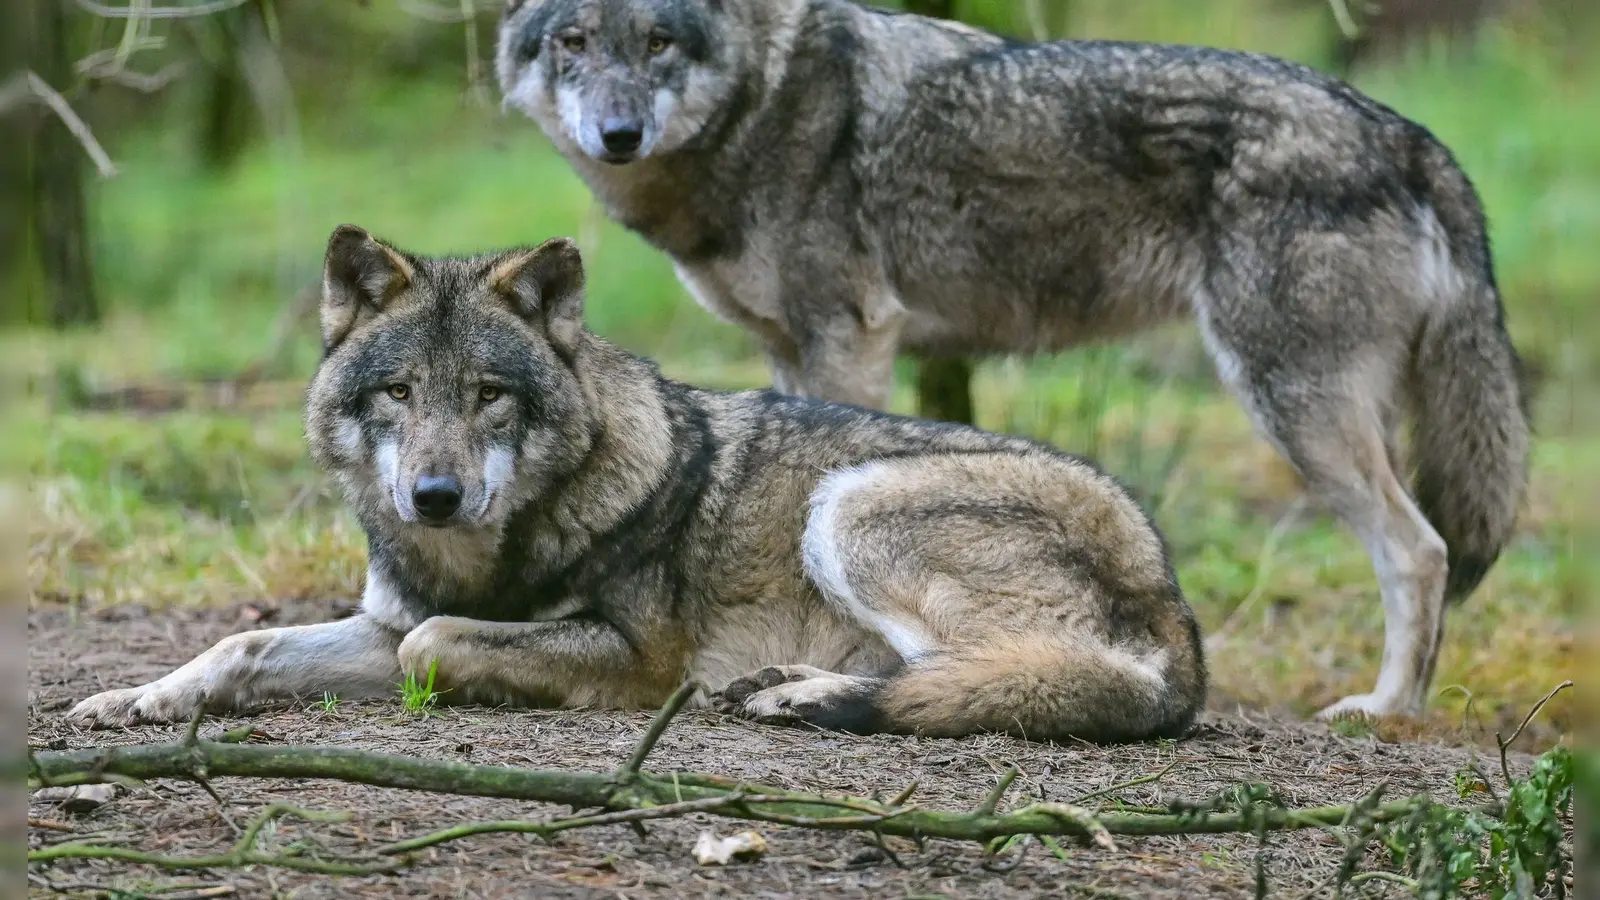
[436, 641]
[148, 704]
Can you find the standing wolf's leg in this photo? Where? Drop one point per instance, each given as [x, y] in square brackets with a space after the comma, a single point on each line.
[1340, 453]
[848, 332]
[352, 658]
[1323, 387]
[581, 661]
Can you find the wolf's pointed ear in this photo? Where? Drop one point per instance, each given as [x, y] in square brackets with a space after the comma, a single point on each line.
[544, 284]
[359, 275]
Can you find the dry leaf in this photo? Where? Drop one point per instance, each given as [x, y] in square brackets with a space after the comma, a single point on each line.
[80, 798]
[711, 850]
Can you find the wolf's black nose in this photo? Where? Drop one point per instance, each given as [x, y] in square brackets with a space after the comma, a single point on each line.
[437, 497]
[621, 135]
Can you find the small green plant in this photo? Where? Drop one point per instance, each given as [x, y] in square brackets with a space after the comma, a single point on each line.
[330, 702]
[1448, 852]
[419, 697]
[1354, 725]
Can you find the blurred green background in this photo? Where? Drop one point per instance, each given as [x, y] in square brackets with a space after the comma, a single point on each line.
[158, 420]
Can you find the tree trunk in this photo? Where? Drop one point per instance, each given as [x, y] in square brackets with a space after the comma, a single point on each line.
[228, 119]
[939, 9]
[57, 230]
[16, 26]
[944, 390]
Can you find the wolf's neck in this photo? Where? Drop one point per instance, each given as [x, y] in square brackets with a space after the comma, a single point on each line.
[632, 446]
[629, 457]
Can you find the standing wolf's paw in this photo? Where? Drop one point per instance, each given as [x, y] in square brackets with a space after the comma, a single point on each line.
[1371, 705]
[148, 704]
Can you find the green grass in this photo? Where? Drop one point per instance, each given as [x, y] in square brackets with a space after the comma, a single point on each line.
[223, 506]
[417, 695]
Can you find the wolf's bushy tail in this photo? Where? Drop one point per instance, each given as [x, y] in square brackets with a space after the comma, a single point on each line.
[1471, 441]
[1051, 686]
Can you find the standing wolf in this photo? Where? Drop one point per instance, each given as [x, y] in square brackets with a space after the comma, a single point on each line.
[846, 182]
[553, 522]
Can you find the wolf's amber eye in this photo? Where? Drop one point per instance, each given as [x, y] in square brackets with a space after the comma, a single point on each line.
[659, 44]
[401, 392]
[573, 42]
[488, 393]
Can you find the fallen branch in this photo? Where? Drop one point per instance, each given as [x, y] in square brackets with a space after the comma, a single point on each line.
[631, 795]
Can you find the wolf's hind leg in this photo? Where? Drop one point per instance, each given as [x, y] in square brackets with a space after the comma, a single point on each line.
[1025, 594]
[1335, 429]
[790, 695]
[352, 658]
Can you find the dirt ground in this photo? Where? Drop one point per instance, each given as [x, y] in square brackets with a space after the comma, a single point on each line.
[69, 660]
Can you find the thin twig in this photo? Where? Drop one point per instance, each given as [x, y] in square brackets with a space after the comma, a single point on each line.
[133, 11]
[992, 802]
[51, 825]
[144, 83]
[652, 734]
[546, 829]
[244, 853]
[1122, 786]
[29, 84]
[191, 735]
[1346, 22]
[1505, 769]
[1093, 829]
[1269, 550]
[1390, 877]
[905, 795]
[1467, 712]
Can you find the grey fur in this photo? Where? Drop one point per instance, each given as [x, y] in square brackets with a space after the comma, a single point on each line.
[618, 532]
[847, 183]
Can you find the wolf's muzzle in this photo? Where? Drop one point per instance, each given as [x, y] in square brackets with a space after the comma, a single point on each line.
[621, 138]
[436, 497]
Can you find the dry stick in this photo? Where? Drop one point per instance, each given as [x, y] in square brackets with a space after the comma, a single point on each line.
[159, 12]
[244, 853]
[652, 734]
[28, 84]
[1390, 877]
[992, 802]
[905, 795]
[51, 825]
[1269, 550]
[546, 829]
[1122, 786]
[1505, 744]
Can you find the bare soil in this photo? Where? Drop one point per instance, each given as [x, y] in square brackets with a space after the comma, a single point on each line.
[69, 660]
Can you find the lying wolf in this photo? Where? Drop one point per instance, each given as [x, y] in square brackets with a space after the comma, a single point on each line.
[553, 522]
[846, 182]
